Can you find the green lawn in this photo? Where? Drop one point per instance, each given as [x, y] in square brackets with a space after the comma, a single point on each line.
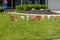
[28, 30]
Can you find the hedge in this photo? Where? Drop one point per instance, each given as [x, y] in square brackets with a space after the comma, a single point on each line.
[27, 7]
[1, 9]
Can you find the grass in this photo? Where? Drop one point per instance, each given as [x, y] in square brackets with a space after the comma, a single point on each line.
[28, 30]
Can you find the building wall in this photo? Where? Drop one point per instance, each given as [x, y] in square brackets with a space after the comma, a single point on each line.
[17, 2]
[54, 4]
[1, 2]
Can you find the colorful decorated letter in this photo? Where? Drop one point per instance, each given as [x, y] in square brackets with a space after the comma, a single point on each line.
[48, 17]
[22, 17]
[42, 17]
[53, 17]
[37, 17]
[12, 18]
[32, 17]
[27, 18]
[16, 19]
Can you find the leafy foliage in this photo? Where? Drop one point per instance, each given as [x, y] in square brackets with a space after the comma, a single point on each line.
[27, 7]
[1, 9]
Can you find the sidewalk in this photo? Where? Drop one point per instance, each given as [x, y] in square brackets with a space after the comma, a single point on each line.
[58, 13]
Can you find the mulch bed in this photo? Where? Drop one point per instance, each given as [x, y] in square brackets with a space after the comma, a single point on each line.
[39, 12]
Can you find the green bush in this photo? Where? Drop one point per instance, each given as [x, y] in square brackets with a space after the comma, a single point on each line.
[27, 7]
[1, 9]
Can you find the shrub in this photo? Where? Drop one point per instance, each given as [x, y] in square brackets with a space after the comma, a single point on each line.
[1, 10]
[0, 7]
[27, 7]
